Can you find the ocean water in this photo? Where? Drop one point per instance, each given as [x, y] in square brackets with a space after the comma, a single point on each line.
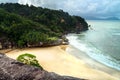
[101, 42]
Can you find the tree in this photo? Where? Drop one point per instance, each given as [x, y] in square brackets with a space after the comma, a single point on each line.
[22, 24]
[33, 37]
[29, 59]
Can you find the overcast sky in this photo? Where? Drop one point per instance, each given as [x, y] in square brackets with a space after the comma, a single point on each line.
[98, 8]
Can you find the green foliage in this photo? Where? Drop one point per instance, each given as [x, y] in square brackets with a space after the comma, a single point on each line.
[20, 43]
[52, 39]
[33, 37]
[46, 16]
[29, 59]
[23, 25]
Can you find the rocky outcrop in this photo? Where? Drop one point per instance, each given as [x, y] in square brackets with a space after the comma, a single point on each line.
[13, 70]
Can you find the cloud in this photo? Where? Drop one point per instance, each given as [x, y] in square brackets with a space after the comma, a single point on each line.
[4, 1]
[101, 8]
[31, 2]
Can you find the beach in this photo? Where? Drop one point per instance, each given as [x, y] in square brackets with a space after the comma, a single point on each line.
[57, 59]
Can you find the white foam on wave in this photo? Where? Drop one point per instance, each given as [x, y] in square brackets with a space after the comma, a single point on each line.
[93, 52]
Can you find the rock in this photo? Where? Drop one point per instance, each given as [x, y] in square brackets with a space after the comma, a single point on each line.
[11, 69]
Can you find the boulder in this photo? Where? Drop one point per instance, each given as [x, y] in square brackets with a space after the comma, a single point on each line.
[11, 69]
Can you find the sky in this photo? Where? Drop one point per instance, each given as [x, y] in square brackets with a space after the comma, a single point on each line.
[85, 8]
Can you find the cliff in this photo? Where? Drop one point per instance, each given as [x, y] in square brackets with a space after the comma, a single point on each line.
[13, 70]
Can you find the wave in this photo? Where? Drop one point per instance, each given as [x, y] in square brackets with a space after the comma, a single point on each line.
[93, 52]
[116, 34]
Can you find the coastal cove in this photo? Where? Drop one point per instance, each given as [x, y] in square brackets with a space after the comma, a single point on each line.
[56, 59]
[57, 42]
[100, 44]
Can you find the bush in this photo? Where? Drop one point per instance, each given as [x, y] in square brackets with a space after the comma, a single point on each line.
[29, 59]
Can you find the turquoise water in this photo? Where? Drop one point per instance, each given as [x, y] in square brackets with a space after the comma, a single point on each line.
[101, 42]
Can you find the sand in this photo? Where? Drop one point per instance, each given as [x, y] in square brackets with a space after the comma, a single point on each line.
[55, 59]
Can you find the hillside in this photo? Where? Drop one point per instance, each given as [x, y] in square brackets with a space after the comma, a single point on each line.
[23, 25]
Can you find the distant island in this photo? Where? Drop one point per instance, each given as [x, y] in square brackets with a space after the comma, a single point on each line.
[101, 18]
[29, 26]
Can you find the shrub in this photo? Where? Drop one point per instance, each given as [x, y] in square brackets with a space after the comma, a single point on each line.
[29, 59]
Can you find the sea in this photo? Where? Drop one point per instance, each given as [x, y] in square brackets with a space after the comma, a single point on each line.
[101, 42]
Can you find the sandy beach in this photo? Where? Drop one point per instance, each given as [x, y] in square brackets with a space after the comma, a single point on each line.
[56, 59]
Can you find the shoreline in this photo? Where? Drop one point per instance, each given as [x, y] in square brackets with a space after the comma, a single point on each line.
[56, 59]
[92, 62]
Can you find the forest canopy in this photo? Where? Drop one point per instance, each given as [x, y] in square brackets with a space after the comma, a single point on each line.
[23, 25]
